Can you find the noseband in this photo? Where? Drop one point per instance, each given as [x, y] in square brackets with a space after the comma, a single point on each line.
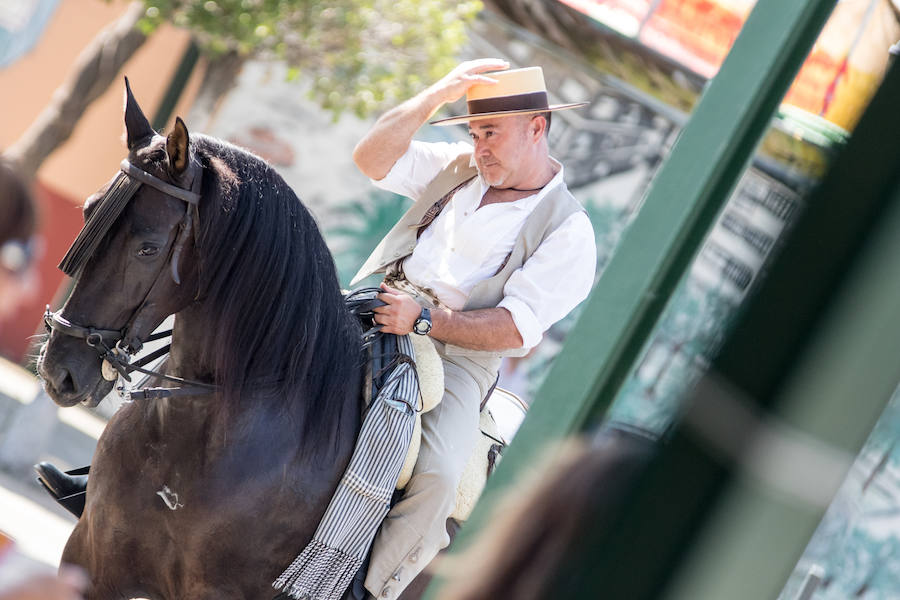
[108, 342]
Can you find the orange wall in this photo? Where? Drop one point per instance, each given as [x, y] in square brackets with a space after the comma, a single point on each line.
[93, 152]
[91, 156]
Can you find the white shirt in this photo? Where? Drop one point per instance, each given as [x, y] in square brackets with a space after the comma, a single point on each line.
[466, 244]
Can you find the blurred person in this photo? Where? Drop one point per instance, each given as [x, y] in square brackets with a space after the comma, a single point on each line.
[539, 524]
[18, 285]
[18, 279]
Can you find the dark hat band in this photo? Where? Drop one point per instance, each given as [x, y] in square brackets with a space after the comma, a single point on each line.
[529, 101]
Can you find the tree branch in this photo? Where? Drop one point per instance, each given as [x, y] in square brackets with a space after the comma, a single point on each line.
[94, 70]
[219, 77]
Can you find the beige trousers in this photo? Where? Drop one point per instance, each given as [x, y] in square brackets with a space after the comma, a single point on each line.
[415, 529]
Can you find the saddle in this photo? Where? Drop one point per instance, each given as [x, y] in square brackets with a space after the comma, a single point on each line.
[382, 349]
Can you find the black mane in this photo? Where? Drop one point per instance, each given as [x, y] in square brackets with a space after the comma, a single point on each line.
[270, 280]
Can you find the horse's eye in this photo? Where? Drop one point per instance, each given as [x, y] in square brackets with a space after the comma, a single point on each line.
[147, 250]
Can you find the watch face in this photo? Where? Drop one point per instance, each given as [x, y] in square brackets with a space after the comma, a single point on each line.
[423, 324]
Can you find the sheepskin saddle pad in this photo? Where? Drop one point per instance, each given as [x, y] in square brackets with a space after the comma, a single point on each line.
[494, 434]
[488, 448]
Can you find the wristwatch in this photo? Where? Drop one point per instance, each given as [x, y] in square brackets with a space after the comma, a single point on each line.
[423, 324]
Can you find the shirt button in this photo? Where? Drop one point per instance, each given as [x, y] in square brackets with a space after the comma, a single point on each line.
[414, 556]
[386, 592]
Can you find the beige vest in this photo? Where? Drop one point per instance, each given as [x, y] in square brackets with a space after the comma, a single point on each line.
[551, 211]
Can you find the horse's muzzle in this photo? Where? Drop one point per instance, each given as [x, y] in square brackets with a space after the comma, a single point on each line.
[71, 382]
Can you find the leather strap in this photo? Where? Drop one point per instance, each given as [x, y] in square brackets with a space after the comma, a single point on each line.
[191, 196]
[487, 396]
[54, 320]
[435, 209]
[162, 393]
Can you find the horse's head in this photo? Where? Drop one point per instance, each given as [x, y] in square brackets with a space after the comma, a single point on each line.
[132, 263]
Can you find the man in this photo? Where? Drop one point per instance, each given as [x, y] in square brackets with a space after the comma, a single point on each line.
[494, 251]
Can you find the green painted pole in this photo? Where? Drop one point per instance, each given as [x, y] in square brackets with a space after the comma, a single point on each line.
[682, 203]
[176, 86]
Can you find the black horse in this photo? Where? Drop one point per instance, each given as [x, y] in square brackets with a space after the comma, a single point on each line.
[210, 493]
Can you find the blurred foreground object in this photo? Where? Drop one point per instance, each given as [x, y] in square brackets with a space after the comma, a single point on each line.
[17, 244]
[69, 584]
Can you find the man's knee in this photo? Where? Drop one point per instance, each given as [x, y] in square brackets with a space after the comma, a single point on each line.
[438, 487]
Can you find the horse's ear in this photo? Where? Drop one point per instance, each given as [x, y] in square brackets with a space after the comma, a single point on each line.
[137, 126]
[177, 147]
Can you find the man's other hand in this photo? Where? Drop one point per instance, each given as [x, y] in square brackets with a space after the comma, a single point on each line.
[399, 313]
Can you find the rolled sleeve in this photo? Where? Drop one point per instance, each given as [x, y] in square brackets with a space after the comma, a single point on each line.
[553, 281]
[526, 321]
[421, 163]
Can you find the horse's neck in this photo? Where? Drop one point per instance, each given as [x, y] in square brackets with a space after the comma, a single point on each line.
[197, 417]
[223, 435]
[190, 337]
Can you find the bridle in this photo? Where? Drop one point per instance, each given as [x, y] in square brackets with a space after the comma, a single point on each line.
[108, 343]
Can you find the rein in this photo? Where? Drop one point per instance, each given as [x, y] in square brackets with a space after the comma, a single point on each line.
[108, 342]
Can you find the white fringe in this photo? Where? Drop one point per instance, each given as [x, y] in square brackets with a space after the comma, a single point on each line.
[319, 573]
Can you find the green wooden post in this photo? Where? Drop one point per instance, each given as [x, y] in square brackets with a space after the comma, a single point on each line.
[176, 86]
[684, 198]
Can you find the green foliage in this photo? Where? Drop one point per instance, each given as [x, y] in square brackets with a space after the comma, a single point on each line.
[363, 224]
[359, 55]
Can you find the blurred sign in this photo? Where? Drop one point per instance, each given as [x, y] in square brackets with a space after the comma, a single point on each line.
[836, 81]
[21, 24]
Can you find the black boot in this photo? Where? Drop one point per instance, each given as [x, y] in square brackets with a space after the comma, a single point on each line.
[356, 591]
[66, 488]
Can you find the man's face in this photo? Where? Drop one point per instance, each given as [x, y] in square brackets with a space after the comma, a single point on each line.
[501, 148]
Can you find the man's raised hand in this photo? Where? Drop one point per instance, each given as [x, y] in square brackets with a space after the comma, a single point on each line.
[454, 84]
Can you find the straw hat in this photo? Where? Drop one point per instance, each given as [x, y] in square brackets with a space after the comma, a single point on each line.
[517, 92]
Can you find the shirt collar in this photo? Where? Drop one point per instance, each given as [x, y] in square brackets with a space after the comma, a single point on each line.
[528, 201]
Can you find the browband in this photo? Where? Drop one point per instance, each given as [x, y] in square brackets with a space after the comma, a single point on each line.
[189, 196]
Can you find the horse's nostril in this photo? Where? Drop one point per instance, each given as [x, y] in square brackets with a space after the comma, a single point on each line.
[67, 385]
[61, 380]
